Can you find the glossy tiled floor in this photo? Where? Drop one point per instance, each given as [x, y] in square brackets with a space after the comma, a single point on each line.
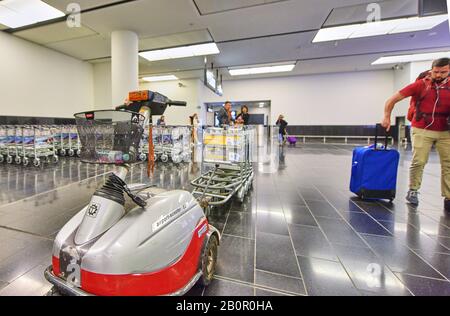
[299, 232]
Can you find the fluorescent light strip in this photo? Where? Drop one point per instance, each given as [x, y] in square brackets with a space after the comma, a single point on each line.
[379, 28]
[160, 78]
[410, 58]
[261, 70]
[18, 13]
[181, 52]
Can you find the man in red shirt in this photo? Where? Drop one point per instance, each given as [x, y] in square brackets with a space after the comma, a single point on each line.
[429, 126]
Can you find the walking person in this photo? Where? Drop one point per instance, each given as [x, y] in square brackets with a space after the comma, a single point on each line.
[429, 126]
[282, 124]
[194, 122]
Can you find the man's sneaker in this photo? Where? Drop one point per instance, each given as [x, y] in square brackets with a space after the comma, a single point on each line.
[413, 197]
[447, 205]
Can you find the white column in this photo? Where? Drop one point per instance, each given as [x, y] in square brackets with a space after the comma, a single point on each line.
[124, 65]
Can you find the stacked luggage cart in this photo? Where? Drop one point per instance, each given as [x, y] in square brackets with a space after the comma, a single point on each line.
[171, 143]
[37, 144]
[227, 159]
[27, 144]
[67, 142]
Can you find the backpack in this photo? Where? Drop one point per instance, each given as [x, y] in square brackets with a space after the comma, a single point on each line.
[414, 106]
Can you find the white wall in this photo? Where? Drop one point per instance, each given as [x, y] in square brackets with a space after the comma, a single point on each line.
[189, 92]
[102, 86]
[36, 81]
[356, 98]
[402, 78]
[418, 67]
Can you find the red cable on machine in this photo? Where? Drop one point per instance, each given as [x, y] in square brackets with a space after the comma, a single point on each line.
[151, 153]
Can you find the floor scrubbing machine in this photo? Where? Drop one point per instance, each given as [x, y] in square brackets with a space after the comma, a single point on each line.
[154, 243]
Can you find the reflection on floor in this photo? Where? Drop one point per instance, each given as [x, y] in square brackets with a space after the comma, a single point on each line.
[299, 232]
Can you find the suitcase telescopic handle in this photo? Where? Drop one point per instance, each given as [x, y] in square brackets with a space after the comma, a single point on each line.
[376, 136]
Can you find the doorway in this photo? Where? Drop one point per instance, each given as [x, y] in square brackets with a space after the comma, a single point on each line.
[259, 112]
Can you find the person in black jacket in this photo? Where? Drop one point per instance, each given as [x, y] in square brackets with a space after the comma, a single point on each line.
[243, 117]
[282, 124]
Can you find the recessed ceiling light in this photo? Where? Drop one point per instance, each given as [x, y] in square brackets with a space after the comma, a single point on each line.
[261, 69]
[18, 13]
[181, 52]
[375, 28]
[410, 58]
[160, 78]
[335, 33]
[419, 23]
[385, 27]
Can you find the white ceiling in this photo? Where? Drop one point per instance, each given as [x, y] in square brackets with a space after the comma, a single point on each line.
[218, 6]
[246, 31]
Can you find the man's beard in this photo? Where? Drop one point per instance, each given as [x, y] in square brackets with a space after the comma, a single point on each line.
[439, 80]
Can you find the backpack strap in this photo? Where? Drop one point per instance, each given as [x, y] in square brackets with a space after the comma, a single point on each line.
[447, 85]
[419, 114]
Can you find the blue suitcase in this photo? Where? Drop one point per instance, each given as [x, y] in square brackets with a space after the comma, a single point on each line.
[374, 171]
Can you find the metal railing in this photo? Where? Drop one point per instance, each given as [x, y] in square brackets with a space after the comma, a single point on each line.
[370, 139]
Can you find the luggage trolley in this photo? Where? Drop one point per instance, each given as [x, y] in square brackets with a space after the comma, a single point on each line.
[57, 137]
[229, 151]
[3, 143]
[182, 147]
[65, 143]
[10, 143]
[143, 145]
[37, 146]
[27, 144]
[73, 146]
[18, 144]
[171, 144]
[160, 137]
[46, 142]
[174, 144]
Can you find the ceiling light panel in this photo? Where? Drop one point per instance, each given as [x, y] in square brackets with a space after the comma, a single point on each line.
[410, 58]
[160, 78]
[335, 33]
[181, 52]
[260, 70]
[376, 28]
[419, 23]
[394, 26]
[18, 13]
